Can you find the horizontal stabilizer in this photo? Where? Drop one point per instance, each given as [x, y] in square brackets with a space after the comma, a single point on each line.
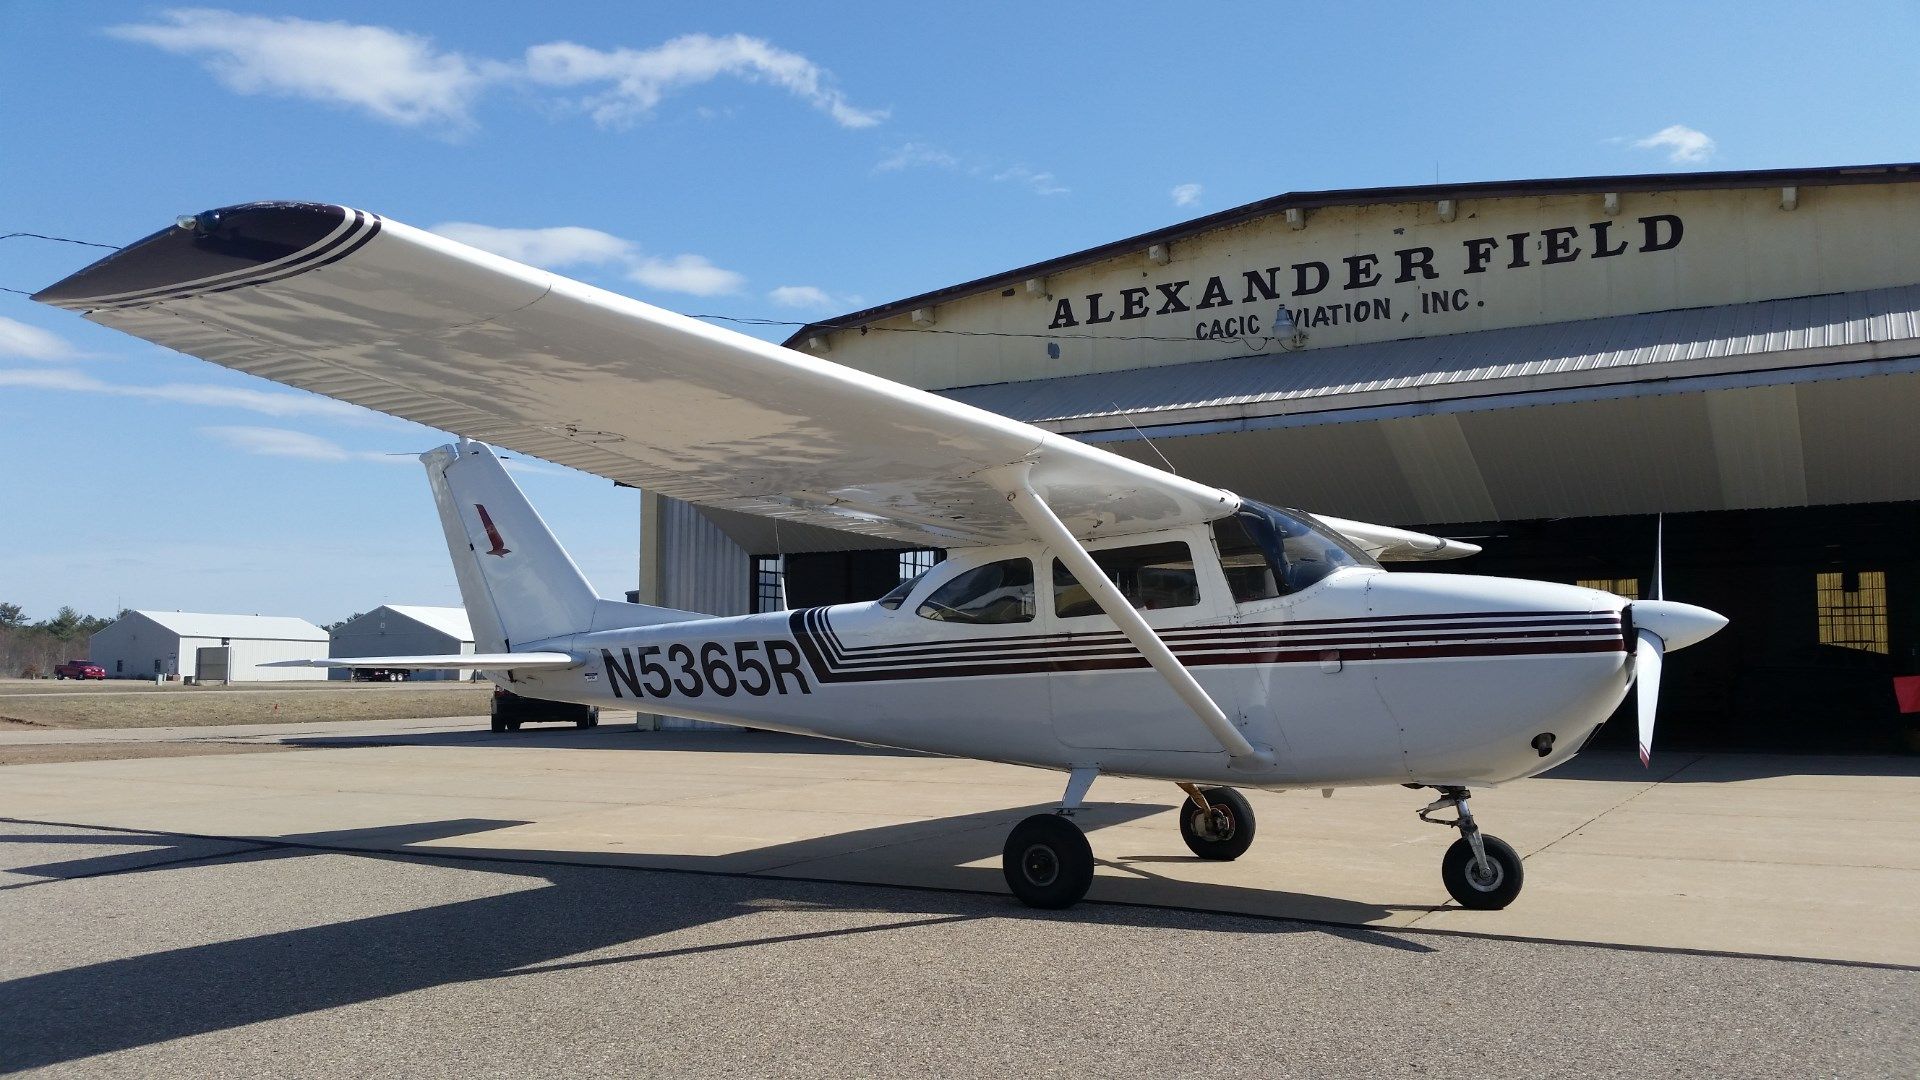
[495, 661]
[1389, 544]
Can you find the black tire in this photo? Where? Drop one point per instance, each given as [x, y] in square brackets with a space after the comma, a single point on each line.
[499, 724]
[1456, 870]
[1224, 831]
[1047, 862]
[592, 719]
[514, 725]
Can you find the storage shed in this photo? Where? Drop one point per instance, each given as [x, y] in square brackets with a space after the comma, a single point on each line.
[404, 630]
[148, 643]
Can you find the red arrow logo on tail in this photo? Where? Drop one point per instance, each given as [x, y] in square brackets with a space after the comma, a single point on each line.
[493, 534]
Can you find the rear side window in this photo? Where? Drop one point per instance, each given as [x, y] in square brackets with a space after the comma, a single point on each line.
[1152, 577]
[1000, 592]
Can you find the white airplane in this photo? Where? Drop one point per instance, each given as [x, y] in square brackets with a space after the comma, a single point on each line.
[1095, 615]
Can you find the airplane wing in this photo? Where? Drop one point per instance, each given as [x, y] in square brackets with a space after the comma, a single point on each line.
[1388, 544]
[357, 307]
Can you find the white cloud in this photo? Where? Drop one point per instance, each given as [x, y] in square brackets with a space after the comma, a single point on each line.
[801, 296]
[283, 442]
[686, 274]
[563, 245]
[1186, 194]
[1041, 183]
[1684, 145]
[21, 341]
[919, 155]
[636, 80]
[574, 245]
[916, 155]
[395, 76]
[405, 79]
[267, 402]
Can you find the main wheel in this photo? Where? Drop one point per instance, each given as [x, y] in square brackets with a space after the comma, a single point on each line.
[499, 723]
[592, 719]
[1224, 830]
[1488, 891]
[1048, 862]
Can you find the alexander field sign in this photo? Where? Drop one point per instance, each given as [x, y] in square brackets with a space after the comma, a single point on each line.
[1342, 275]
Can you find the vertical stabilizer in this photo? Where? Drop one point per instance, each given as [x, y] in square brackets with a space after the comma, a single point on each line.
[519, 585]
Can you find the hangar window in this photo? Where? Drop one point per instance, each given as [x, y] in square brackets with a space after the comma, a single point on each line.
[769, 584]
[999, 592]
[1627, 587]
[1151, 576]
[1853, 609]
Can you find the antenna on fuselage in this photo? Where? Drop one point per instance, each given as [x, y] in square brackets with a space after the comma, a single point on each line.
[1124, 415]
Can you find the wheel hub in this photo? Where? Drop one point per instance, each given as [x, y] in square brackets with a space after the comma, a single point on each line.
[1039, 864]
[1488, 879]
[1214, 823]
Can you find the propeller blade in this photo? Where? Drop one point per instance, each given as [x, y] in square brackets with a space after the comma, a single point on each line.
[1648, 655]
[1659, 557]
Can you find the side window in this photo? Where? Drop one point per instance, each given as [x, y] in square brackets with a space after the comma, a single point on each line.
[1152, 577]
[1244, 561]
[1000, 592]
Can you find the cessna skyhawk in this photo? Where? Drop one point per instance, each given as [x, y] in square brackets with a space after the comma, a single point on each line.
[1095, 615]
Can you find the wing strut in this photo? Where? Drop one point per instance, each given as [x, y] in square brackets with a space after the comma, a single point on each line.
[1016, 482]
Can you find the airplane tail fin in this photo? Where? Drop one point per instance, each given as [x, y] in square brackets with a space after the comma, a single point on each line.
[518, 583]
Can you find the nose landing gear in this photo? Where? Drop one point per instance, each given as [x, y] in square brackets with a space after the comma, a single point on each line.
[1481, 872]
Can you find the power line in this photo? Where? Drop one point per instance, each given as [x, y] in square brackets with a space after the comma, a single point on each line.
[59, 240]
[865, 327]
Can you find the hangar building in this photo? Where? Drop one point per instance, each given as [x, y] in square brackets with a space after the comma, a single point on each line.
[1539, 366]
[403, 630]
[147, 643]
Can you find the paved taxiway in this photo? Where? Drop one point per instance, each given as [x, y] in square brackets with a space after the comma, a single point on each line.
[515, 932]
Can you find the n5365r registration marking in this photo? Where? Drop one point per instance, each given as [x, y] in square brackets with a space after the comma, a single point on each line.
[716, 667]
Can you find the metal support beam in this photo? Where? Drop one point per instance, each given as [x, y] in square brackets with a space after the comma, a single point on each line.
[1016, 482]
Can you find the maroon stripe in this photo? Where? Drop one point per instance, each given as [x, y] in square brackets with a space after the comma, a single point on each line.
[1257, 632]
[1275, 656]
[1345, 644]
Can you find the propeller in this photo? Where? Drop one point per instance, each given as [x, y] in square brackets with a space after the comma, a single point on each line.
[1660, 624]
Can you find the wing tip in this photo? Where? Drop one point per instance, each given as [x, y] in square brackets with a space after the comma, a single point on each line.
[216, 249]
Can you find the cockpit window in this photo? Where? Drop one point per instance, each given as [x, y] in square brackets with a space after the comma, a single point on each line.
[1150, 576]
[899, 593]
[1298, 550]
[999, 592]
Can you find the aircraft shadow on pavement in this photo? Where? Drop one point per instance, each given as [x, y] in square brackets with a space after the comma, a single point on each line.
[121, 1004]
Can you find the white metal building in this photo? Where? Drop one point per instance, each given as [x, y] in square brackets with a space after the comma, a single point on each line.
[149, 643]
[404, 630]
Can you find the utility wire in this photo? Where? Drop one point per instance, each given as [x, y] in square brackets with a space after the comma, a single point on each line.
[59, 239]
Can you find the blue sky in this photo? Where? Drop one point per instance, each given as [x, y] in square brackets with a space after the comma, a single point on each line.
[780, 161]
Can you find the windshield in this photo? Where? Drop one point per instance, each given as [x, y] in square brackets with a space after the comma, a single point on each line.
[1300, 549]
[899, 593]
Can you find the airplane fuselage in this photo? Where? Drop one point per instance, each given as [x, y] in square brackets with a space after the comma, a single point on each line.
[1367, 677]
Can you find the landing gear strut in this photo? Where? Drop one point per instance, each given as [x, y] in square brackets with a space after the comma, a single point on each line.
[1480, 871]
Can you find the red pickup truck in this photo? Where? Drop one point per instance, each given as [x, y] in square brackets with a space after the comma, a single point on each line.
[79, 669]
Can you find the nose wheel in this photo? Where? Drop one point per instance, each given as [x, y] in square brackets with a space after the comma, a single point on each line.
[1216, 822]
[1480, 871]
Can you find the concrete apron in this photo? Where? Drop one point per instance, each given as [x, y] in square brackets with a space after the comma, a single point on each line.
[1782, 856]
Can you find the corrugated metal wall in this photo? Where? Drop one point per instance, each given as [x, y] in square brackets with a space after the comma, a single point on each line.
[700, 569]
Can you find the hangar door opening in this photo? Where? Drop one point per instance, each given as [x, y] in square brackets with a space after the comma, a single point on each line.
[1824, 610]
